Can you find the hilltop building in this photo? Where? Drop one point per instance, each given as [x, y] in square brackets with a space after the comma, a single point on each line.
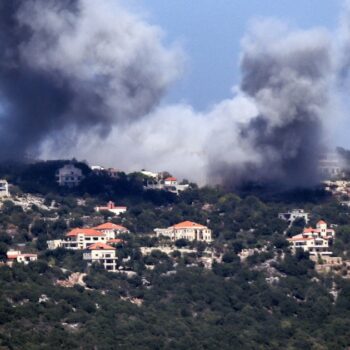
[69, 176]
[17, 256]
[169, 184]
[4, 189]
[103, 254]
[316, 241]
[82, 238]
[294, 214]
[112, 208]
[187, 230]
[330, 167]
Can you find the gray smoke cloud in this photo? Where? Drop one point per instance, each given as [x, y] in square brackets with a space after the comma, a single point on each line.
[86, 67]
[271, 130]
[76, 65]
[288, 76]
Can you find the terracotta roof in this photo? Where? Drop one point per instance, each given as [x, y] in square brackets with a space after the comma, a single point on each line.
[188, 224]
[321, 222]
[171, 179]
[110, 226]
[100, 246]
[300, 238]
[84, 231]
[115, 240]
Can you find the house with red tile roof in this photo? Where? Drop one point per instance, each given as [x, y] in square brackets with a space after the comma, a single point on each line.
[111, 230]
[117, 210]
[103, 254]
[316, 241]
[187, 230]
[17, 256]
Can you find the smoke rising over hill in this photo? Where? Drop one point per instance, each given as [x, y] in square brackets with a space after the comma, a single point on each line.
[75, 64]
[86, 66]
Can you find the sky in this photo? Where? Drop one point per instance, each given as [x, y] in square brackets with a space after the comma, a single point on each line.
[210, 34]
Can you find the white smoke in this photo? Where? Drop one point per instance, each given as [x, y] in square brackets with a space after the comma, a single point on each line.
[287, 81]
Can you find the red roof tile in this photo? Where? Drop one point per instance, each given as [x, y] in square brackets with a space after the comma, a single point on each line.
[100, 246]
[85, 232]
[188, 224]
[110, 226]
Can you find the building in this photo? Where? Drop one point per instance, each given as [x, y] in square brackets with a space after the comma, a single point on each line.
[170, 181]
[112, 208]
[316, 241]
[294, 214]
[17, 256]
[111, 230]
[81, 238]
[187, 230]
[69, 176]
[4, 189]
[103, 254]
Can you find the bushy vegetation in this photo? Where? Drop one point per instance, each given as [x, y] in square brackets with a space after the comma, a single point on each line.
[271, 300]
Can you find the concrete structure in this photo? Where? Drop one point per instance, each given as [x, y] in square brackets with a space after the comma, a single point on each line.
[17, 256]
[169, 184]
[187, 230]
[112, 208]
[69, 176]
[315, 241]
[4, 189]
[81, 238]
[294, 214]
[110, 230]
[103, 254]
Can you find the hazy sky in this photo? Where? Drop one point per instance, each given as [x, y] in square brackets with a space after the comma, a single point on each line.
[210, 32]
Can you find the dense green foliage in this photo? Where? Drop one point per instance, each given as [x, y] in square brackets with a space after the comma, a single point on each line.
[271, 300]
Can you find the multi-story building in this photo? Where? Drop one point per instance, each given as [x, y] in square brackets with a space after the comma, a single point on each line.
[111, 230]
[316, 241]
[81, 238]
[112, 208]
[16, 255]
[188, 230]
[4, 189]
[69, 176]
[294, 214]
[103, 254]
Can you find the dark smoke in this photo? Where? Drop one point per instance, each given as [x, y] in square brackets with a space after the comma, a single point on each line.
[70, 65]
[286, 75]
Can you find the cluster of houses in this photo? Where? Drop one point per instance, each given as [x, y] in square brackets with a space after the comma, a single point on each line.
[316, 241]
[160, 181]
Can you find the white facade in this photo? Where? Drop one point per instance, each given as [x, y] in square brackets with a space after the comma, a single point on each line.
[110, 230]
[16, 255]
[69, 176]
[79, 239]
[294, 214]
[112, 208]
[4, 189]
[103, 254]
[186, 230]
[315, 241]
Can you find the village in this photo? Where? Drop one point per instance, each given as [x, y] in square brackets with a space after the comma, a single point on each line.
[99, 244]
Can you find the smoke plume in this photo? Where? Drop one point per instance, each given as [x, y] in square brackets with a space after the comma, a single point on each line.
[79, 65]
[84, 71]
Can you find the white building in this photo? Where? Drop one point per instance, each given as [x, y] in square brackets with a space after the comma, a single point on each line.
[294, 214]
[315, 241]
[112, 208]
[187, 230]
[69, 176]
[4, 189]
[103, 254]
[169, 184]
[81, 238]
[17, 256]
[110, 230]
